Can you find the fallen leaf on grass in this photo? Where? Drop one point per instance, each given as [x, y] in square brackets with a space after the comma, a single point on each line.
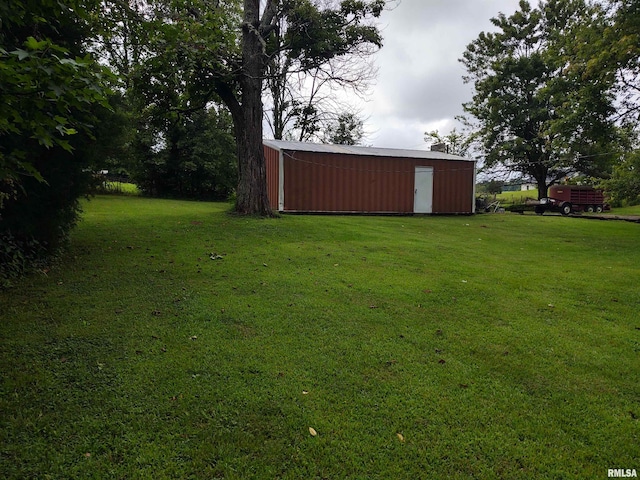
[373, 306]
[194, 337]
[313, 432]
[87, 454]
[400, 437]
[442, 361]
[304, 392]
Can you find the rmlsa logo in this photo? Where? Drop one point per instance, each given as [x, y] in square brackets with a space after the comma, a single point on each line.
[622, 473]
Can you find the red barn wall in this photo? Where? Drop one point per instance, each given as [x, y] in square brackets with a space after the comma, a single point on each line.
[330, 182]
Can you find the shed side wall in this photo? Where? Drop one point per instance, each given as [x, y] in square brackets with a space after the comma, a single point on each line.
[326, 182]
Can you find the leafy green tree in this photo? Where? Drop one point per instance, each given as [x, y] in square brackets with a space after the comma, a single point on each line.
[196, 159]
[537, 113]
[456, 142]
[48, 88]
[624, 184]
[347, 129]
[616, 50]
[219, 61]
[301, 103]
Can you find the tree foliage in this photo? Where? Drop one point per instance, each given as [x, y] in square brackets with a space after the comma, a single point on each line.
[616, 50]
[537, 112]
[302, 101]
[624, 184]
[48, 87]
[347, 129]
[194, 160]
[456, 142]
[51, 95]
[199, 43]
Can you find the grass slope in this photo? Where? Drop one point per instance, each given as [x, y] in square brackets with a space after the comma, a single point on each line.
[181, 342]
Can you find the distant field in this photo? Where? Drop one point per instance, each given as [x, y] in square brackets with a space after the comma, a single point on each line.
[121, 188]
[517, 197]
[178, 341]
[634, 210]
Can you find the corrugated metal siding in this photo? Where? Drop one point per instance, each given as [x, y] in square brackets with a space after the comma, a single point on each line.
[327, 182]
[318, 182]
[453, 187]
[272, 159]
[332, 182]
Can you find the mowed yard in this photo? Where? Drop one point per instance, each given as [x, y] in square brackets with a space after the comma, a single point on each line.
[178, 341]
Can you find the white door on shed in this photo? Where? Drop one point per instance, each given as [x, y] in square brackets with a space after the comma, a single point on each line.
[423, 194]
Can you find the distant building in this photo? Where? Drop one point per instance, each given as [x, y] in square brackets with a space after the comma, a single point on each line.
[519, 187]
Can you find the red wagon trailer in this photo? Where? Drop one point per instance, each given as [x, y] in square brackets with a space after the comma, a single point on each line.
[572, 198]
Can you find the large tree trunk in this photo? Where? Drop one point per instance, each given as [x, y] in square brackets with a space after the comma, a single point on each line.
[540, 174]
[252, 198]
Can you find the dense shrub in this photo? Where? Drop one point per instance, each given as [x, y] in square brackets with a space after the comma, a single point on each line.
[624, 184]
[35, 223]
[195, 159]
[51, 92]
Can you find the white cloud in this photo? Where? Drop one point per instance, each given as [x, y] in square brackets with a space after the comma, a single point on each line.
[420, 85]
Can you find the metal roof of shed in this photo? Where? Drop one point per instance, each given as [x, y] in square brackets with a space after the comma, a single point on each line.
[360, 150]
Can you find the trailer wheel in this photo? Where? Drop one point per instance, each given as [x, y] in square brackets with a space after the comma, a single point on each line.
[590, 208]
[566, 208]
[599, 208]
[539, 210]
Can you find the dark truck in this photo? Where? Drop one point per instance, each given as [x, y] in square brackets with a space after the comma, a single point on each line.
[571, 198]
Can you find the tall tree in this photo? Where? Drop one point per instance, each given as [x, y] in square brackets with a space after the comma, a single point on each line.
[220, 60]
[347, 129]
[301, 103]
[529, 84]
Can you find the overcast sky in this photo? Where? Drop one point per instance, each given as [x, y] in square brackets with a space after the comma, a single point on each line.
[419, 86]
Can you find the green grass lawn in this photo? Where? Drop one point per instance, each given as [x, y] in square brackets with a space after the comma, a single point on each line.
[177, 341]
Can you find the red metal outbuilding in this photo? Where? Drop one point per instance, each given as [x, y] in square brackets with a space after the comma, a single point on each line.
[308, 177]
